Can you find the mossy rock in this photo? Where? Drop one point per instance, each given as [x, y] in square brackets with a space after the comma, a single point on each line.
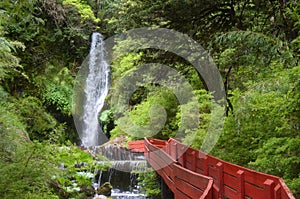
[88, 190]
[105, 189]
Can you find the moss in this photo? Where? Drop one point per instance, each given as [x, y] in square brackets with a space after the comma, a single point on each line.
[105, 189]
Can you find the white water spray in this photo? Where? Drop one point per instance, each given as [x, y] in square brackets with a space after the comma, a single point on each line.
[96, 89]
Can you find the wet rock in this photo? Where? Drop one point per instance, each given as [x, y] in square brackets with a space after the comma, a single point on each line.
[88, 190]
[105, 189]
[80, 164]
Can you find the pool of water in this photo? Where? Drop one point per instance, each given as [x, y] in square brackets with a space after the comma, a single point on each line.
[134, 194]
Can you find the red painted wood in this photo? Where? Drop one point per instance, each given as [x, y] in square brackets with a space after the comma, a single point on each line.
[277, 191]
[208, 193]
[254, 191]
[137, 146]
[190, 183]
[229, 192]
[178, 194]
[220, 168]
[226, 179]
[167, 179]
[240, 183]
[231, 181]
[269, 189]
[195, 179]
[250, 177]
[186, 188]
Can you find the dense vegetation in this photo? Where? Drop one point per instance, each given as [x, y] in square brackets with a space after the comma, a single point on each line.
[255, 45]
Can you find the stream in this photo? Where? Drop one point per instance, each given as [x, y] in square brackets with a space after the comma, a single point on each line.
[126, 167]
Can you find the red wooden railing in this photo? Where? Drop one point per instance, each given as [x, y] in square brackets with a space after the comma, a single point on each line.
[182, 182]
[189, 173]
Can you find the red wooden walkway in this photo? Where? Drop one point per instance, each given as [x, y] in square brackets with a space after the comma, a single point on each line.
[191, 174]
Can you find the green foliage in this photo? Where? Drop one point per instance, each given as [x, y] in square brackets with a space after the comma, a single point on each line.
[149, 181]
[9, 120]
[279, 156]
[75, 179]
[263, 130]
[35, 168]
[83, 9]
[19, 19]
[195, 136]
[40, 125]
[247, 55]
[43, 42]
[147, 116]
[126, 64]
[58, 89]
[9, 63]
[25, 168]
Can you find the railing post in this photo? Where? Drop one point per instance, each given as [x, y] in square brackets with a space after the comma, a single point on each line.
[277, 191]
[220, 168]
[241, 184]
[181, 154]
[193, 162]
[269, 186]
[205, 169]
[172, 150]
[176, 152]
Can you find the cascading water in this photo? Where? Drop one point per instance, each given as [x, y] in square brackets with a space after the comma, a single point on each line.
[96, 89]
[91, 89]
[125, 167]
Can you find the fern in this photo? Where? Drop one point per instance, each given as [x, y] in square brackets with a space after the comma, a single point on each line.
[9, 63]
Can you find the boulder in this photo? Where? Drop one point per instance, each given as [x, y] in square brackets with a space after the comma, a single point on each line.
[105, 189]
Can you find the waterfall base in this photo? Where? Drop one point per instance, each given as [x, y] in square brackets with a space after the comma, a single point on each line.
[126, 166]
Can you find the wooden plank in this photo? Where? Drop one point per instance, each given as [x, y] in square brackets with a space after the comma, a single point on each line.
[195, 179]
[229, 192]
[160, 159]
[188, 165]
[187, 188]
[136, 146]
[232, 170]
[179, 195]
[254, 191]
[212, 172]
[191, 160]
[169, 182]
[257, 178]
[215, 191]
[160, 164]
[201, 165]
[208, 193]
[230, 181]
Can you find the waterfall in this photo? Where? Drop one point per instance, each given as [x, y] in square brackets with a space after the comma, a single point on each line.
[125, 184]
[96, 89]
[125, 168]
